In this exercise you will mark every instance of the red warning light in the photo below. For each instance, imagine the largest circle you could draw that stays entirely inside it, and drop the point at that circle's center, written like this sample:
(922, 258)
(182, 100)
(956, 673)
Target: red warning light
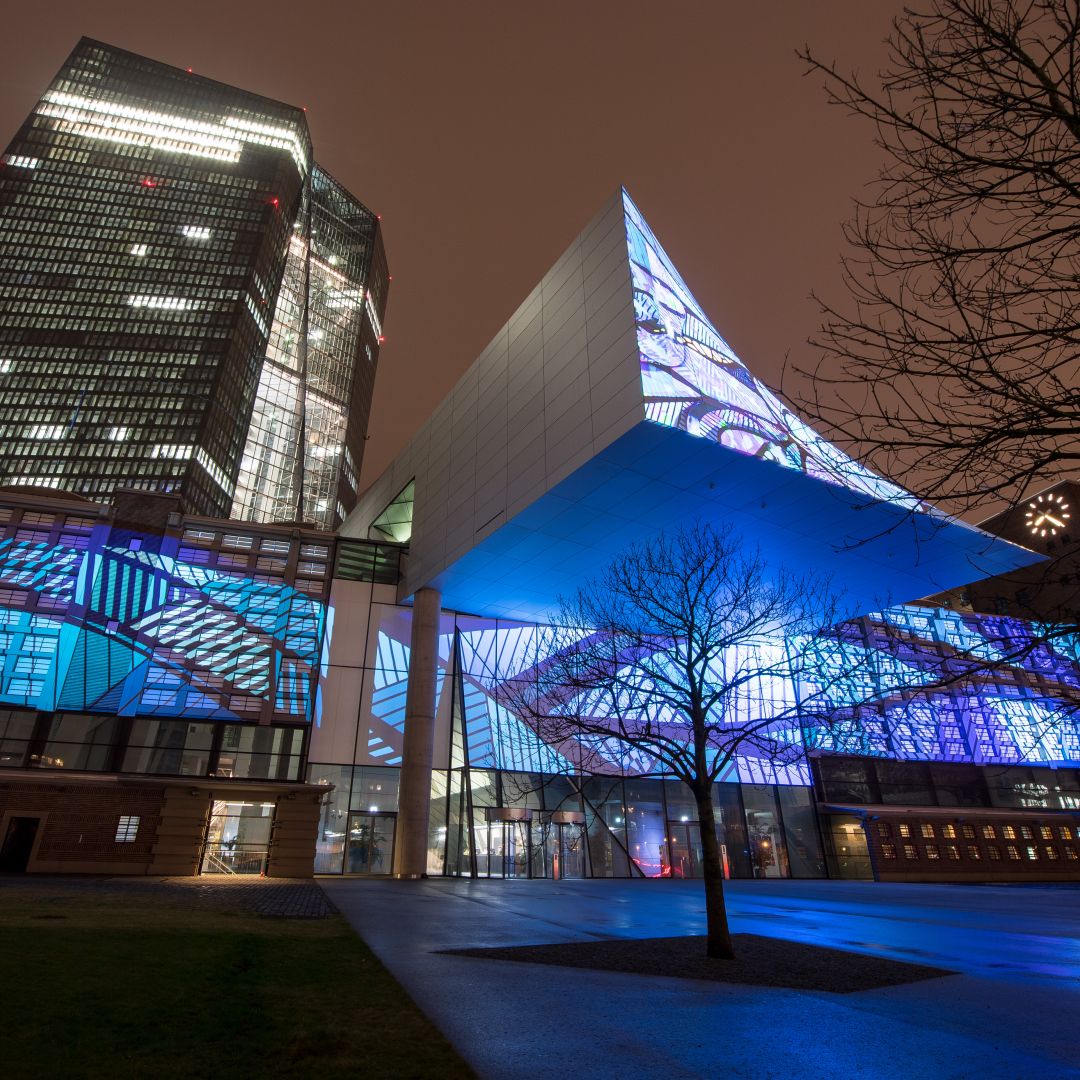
(188, 70)
(381, 339)
(273, 201)
(149, 182)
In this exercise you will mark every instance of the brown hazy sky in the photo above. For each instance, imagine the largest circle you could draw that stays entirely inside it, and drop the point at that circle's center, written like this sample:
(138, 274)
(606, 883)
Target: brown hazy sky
(487, 133)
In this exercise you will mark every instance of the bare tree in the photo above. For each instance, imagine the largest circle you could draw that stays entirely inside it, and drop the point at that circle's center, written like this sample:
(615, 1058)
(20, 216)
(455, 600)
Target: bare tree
(955, 368)
(680, 655)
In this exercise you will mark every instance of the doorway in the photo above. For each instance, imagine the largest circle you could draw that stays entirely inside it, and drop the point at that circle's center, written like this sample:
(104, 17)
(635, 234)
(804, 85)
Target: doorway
(369, 844)
(18, 844)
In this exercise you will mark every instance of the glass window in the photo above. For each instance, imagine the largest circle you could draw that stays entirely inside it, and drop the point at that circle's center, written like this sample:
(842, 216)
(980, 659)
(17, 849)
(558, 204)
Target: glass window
(973, 852)
(333, 815)
(968, 832)
(952, 851)
(1065, 832)
(888, 851)
(605, 822)
(932, 851)
(1071, 853)
(646, 826)
(803, 841)
(1032, 852)
(927, 830)
(948, 832)
(1012, 851)
(1008, 832)
(127, 828)
(989, 832)
(768, 851)
(904, 830)
(910, 851)
(1050, 851)
(1045, 832)
(1026, 833)
(993, 852)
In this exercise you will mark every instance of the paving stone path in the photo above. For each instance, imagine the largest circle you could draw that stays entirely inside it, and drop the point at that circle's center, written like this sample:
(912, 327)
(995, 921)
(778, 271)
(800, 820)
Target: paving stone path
(272, 897)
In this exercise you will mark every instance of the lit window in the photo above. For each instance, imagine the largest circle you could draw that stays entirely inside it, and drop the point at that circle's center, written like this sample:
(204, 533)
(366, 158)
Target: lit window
(1026, 833)
(928, 831)
(20, 162)
(5, 366)
(883, 829)
(1045, 832)
(888, 851)
(905, 830)
(948, 832)
(1071, 853)
(989, 832)
(1064, 832)
(952, 851)
(973, 852)
(932, 851)
(968, 831)
(47, 431)
(1008, 832)
(196, 232)
(1012, 851)
(139, 250)
(1032, 852)
(910, 851)
(1051, 852)
(119, 434)
(161, 303)
(993, 852)
(127, 828)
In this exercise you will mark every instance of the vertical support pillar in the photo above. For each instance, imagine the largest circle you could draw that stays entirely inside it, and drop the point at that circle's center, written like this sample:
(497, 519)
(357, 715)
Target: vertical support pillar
(414, 798)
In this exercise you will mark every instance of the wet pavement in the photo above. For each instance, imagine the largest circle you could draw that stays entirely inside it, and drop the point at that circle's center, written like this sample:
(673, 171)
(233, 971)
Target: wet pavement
(1010, 1011)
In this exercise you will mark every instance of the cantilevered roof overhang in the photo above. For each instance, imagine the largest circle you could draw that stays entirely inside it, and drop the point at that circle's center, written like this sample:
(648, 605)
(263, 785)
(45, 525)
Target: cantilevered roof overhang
(609, 409)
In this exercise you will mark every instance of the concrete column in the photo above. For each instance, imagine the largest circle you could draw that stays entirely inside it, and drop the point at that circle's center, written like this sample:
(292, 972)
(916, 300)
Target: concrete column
(414, 798)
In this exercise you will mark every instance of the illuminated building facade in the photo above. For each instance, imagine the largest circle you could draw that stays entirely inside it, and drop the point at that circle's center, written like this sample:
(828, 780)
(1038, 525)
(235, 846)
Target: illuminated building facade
(182, 691)
(148, 219)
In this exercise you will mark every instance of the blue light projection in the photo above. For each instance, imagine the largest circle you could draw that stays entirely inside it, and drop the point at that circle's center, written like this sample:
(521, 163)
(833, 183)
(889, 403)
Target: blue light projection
(110, 623)
(692, 380)
(909, 683)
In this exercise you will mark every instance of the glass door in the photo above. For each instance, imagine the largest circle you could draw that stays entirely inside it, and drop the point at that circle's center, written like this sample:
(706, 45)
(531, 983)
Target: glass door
(237, 838)
(569, 861)
(369, 846)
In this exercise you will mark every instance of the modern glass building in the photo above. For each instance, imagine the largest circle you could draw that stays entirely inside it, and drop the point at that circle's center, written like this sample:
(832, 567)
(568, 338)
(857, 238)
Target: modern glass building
(212, 649)
(161, 237)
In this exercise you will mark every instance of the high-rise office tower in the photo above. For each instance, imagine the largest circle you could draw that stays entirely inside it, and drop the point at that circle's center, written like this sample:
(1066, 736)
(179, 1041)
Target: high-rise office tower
(167, 254)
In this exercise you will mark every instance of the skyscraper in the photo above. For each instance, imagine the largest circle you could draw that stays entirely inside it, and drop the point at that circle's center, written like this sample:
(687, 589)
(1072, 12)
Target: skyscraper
(160, 245)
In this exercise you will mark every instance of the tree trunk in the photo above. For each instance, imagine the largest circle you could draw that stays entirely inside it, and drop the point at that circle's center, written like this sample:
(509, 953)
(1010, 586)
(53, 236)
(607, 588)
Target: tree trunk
(718, 943)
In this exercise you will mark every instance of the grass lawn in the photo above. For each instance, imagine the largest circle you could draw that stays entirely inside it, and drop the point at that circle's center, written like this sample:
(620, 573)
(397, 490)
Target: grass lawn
(129, 984)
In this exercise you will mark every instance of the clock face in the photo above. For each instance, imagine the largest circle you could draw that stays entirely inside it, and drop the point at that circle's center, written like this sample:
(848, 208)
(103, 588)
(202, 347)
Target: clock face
(1047, 515)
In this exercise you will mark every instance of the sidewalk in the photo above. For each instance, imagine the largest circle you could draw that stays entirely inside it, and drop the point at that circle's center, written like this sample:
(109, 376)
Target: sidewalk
(1010, 1012)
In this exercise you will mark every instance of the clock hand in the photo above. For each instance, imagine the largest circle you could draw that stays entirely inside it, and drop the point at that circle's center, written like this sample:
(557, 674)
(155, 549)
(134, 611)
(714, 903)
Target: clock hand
(1054, 521)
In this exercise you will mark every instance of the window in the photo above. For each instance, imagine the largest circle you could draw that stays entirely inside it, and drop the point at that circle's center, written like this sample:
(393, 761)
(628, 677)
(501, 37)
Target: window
(993, 852)
(1026, 833)
(952, 851)
(1051, 852)
(973, 852)
(1032, 852)
(948, 832)
(1071, 853)
(968, 831)
(932, 851)
(1045, 832)
(883, 829)
(989, 833)
(127, 828)
(888, 851)
(905, 831)
(1008, 832)
(910, 852)
(927, 830)
(1065, 832)
(1012, 851)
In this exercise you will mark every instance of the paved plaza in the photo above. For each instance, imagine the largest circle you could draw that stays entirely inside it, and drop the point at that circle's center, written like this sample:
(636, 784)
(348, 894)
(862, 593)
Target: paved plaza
(1011, 1011)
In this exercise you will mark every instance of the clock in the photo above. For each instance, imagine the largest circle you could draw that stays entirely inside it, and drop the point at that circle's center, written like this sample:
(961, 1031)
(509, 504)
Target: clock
(1047, 515)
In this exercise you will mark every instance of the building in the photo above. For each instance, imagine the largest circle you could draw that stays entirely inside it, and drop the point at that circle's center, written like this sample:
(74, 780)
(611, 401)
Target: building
(184, 293)
(184, 691)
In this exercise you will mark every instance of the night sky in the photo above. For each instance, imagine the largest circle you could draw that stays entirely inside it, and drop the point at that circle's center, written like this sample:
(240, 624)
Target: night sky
(487, 134)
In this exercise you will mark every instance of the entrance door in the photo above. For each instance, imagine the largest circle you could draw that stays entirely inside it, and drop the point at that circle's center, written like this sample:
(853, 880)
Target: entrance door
(369, 846)
(18, 843)
(685, 840)
(571, 851)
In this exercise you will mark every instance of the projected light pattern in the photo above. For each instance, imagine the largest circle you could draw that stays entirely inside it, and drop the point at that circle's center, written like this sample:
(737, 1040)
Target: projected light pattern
(692, 380)
(922, 684)
(909, 683)
(111, 623)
